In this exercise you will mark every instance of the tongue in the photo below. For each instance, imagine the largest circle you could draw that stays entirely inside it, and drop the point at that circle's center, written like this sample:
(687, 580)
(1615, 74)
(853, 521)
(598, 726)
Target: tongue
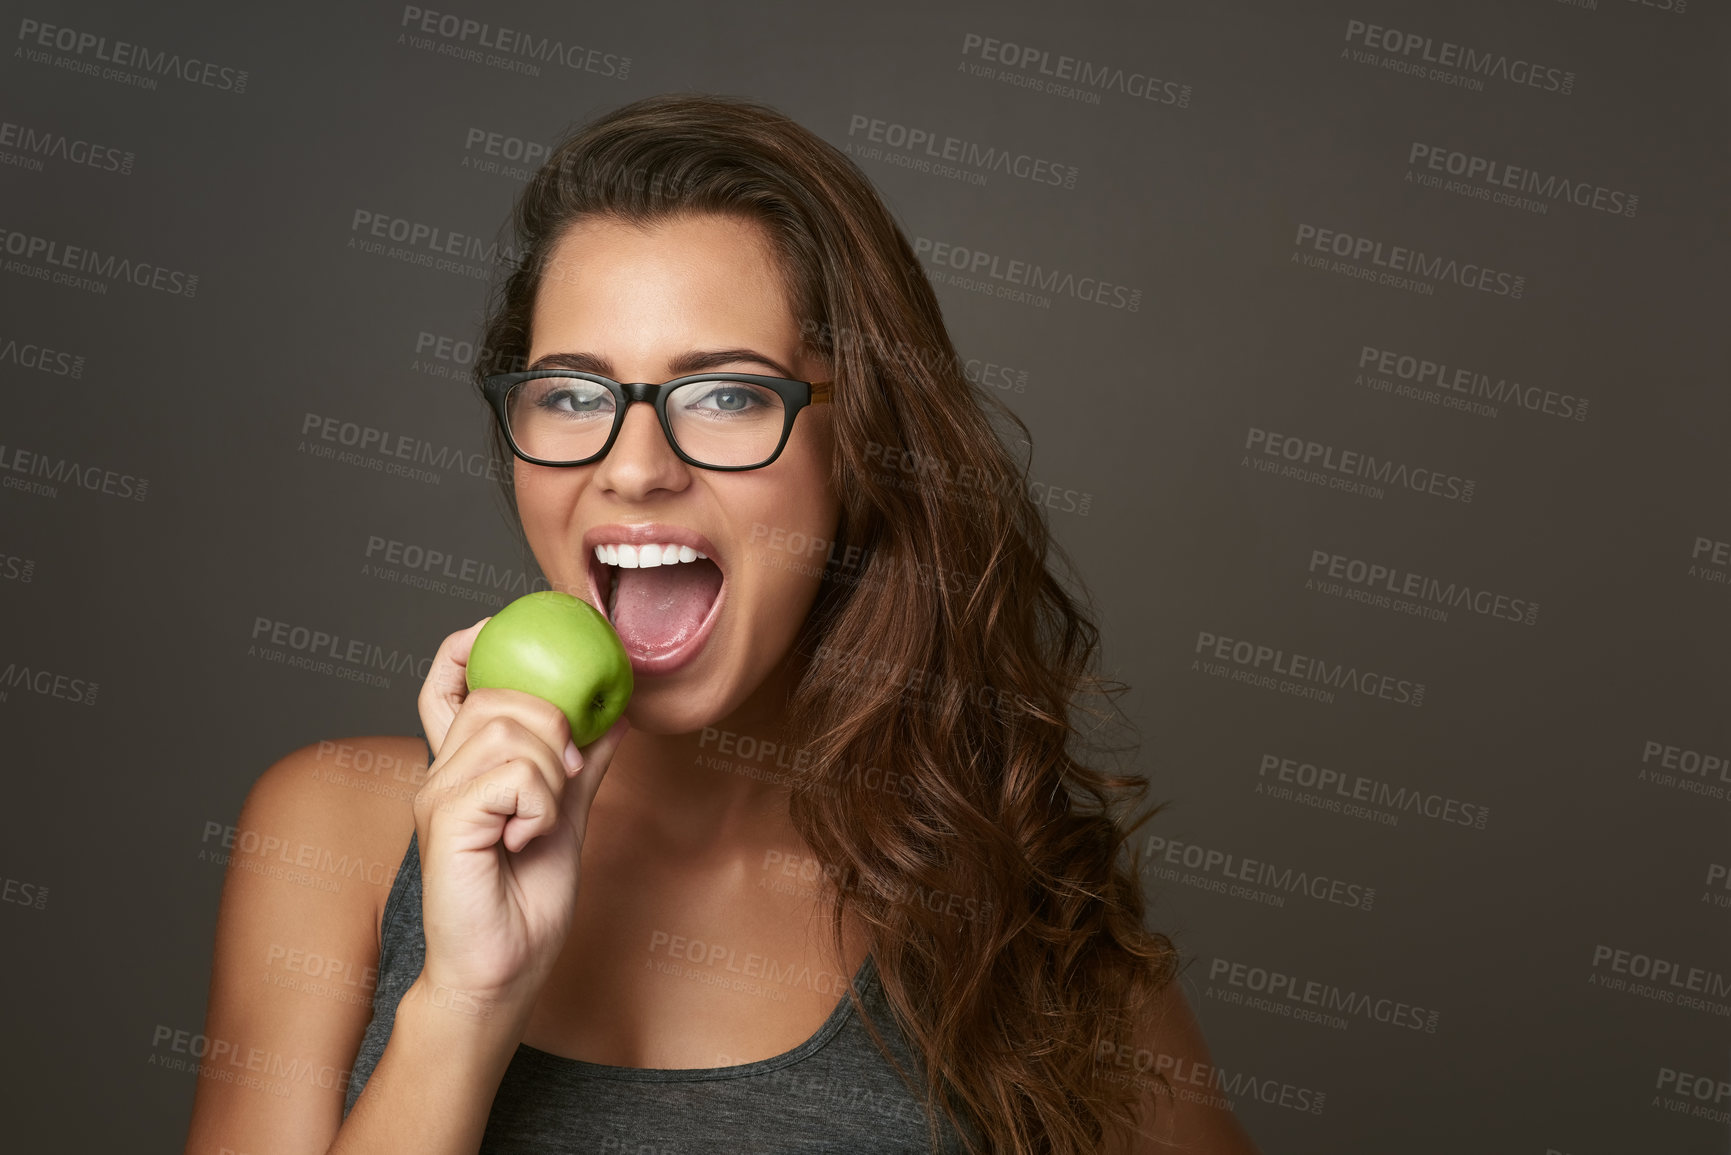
(658, 609)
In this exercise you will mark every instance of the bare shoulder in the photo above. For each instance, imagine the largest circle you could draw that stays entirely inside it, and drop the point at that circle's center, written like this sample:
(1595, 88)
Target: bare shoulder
(340, 812)
(1169, 1042)
(311, 860)
(354, 795)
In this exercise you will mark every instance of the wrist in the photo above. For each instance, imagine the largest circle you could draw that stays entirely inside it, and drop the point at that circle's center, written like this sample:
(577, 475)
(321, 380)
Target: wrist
(489, 1012)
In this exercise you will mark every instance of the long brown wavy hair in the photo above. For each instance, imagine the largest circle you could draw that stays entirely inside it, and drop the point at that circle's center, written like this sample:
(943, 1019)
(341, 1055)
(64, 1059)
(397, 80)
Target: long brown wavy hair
(995, 882)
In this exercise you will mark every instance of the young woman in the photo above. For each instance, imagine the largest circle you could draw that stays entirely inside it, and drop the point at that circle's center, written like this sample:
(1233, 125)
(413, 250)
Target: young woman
(838, 881)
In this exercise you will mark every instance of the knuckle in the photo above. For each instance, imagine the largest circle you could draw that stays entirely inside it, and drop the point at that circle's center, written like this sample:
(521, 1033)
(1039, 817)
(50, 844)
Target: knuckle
(501, 728)
(526, 778)
(530, 777)
(550, 715)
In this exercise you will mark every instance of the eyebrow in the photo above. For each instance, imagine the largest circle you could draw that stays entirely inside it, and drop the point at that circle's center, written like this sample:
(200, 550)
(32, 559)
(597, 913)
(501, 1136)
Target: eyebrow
(693, 361)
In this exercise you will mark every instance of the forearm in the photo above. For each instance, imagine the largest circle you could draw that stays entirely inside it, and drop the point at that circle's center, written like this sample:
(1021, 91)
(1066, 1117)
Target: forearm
(434, 1085)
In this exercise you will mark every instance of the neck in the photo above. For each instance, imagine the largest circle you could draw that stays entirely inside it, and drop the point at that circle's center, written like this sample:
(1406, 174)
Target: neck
(724, 784)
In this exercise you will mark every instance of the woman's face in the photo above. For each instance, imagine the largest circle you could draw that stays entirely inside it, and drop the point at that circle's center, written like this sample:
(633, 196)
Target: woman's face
(642, 305)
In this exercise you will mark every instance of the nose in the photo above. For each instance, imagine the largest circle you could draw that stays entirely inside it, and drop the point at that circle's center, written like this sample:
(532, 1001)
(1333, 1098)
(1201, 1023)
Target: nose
(641, 461)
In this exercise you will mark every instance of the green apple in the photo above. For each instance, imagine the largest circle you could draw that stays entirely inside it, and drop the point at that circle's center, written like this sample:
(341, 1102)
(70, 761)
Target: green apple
(559, 648)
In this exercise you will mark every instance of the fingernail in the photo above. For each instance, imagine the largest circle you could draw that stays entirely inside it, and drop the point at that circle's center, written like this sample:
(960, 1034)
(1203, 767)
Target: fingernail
(572, 758)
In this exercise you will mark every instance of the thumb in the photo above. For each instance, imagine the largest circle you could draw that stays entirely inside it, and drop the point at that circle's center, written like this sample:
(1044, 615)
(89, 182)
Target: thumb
(447, 685)
(594, 758)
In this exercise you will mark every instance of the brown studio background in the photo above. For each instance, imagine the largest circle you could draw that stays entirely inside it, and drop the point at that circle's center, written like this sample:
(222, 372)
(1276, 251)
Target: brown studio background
(1537, 964)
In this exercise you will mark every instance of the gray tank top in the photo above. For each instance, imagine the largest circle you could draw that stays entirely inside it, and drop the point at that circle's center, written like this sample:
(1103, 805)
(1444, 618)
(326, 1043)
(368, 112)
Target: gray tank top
(833, 1092)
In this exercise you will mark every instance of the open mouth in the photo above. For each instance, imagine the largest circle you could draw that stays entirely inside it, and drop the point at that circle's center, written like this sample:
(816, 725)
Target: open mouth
(661, 596)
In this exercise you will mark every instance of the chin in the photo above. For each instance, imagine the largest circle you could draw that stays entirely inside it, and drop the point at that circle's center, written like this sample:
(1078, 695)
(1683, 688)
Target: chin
(669, 710)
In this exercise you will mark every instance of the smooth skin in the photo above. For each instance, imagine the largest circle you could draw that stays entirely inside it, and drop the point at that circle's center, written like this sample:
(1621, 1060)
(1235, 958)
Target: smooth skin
(551, 896)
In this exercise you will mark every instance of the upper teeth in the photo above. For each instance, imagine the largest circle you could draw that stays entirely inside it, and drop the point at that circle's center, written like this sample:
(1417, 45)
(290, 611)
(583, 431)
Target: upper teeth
(644, 556)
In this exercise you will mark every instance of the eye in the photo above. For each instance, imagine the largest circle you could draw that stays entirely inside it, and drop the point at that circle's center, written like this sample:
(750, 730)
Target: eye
(580, 397)
(727, 397)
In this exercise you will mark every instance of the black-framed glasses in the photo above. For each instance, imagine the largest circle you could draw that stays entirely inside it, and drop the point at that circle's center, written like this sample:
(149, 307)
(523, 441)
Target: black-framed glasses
(712, 420)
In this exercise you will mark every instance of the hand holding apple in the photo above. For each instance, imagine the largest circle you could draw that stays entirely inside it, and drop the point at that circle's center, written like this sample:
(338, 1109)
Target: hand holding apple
(559, 648)
(503, 813)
